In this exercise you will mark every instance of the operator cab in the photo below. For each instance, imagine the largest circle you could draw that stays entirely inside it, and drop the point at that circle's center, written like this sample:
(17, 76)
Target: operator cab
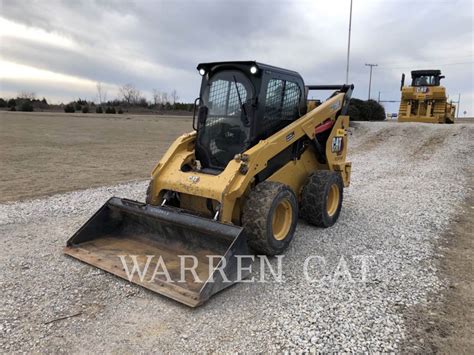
(240, 104)
(426, 77)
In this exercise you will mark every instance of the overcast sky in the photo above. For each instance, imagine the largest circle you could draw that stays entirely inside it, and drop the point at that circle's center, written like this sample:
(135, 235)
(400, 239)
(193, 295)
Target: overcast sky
(61, 49)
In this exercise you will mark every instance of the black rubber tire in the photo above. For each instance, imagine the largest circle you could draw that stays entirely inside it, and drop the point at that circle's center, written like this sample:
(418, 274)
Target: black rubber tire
(315, 196)
(257, 217)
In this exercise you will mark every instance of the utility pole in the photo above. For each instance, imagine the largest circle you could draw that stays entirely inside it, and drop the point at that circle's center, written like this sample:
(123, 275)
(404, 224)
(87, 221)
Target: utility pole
(370, 77)
(349, 44)
(459, 105)
(378, 100)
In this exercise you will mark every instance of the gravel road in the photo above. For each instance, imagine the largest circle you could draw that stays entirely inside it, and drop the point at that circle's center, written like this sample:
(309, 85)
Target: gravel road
(408, 183)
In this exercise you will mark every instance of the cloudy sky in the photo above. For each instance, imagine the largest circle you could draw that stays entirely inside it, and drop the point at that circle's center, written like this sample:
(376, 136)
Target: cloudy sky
(61, 49)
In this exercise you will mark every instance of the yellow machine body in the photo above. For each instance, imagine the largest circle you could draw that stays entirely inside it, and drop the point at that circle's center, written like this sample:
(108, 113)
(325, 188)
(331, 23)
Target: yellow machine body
(193, 211)
(425, 103)
(229, 187)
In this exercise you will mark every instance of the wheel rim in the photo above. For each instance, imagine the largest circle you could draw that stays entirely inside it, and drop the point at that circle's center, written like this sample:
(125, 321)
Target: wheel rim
(333, 200)
(281, 220)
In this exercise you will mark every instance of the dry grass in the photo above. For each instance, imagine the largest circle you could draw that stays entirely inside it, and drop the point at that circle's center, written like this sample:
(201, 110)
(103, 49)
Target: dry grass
(47, 153)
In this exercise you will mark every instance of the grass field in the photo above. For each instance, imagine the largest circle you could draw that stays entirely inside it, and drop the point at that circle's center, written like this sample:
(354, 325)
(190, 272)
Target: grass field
(46, 153)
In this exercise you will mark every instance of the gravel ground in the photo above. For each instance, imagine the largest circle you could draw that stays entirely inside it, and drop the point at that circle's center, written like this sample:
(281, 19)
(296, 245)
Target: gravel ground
(408, 181)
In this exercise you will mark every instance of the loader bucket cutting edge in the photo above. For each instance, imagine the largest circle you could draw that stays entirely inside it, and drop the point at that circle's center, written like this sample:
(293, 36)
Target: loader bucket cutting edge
(132, 229)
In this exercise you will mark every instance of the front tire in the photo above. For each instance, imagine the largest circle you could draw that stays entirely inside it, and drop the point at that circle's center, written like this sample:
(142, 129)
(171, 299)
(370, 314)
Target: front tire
(321, 201)
(269, 217)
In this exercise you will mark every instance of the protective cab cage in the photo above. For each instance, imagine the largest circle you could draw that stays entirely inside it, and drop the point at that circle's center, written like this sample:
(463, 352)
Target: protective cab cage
(426, 77)
(241, 103)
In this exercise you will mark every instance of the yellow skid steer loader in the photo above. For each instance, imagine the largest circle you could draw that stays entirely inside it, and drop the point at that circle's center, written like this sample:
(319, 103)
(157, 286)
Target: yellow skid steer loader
(257, 160)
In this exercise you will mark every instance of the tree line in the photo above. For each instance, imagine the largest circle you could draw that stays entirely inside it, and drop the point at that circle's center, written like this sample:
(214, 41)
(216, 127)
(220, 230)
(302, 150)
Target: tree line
(25, 101)
(129, 99)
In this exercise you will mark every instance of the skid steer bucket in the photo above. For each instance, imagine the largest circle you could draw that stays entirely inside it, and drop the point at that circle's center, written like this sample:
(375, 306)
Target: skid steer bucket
(179, 255)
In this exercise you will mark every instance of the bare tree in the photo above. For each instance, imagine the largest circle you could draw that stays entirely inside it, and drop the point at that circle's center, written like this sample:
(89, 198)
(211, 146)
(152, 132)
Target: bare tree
(164, 98)
(101, 93)
(27, 95)
(174, 96)
(130, 94)
(156, 97)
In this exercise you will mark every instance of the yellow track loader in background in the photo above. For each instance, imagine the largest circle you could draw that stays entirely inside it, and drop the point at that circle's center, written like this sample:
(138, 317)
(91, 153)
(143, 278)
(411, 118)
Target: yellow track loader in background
(255, 162)
(425, 100)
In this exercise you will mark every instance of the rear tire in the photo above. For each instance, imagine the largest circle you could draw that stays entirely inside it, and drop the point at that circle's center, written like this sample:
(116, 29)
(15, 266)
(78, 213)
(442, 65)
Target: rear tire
(322, 198)
(269, 217)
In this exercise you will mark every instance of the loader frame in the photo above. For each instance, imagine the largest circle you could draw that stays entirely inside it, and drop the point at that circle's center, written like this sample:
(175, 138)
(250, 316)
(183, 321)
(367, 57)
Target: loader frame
(228, 188)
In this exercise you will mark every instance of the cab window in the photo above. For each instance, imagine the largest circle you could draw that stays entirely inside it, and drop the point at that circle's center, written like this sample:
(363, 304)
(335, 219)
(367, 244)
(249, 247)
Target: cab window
(281, 104)
(424, 80)
(223, 135)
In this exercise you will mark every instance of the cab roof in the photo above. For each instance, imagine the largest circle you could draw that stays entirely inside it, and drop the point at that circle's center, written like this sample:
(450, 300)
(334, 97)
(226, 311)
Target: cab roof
(417, 73)
(263, 67)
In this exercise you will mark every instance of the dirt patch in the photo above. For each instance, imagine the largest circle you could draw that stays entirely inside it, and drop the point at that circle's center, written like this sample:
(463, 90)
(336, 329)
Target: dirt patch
(446, 324)
(465, 120)
(46, 153)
